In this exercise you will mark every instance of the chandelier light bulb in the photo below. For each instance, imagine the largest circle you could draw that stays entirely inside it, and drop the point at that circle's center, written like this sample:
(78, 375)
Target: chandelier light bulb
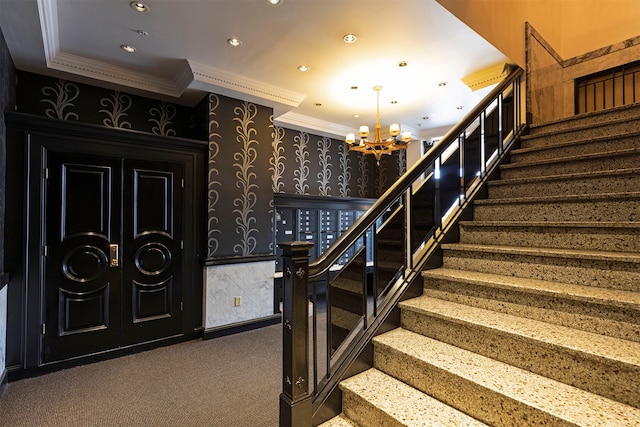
(376, 145)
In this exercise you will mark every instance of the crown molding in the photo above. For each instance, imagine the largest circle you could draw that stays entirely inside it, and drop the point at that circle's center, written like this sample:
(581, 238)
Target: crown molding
(228, 84)
(305, 123)
(486, 77)
(48, 15)
(113, 74)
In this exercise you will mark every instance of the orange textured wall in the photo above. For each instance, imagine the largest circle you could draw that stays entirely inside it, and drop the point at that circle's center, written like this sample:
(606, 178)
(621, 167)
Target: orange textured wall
(572, 27)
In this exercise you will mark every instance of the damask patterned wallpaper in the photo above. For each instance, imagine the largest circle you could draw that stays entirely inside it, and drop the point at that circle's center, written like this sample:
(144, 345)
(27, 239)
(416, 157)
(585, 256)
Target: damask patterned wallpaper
(249, 157)
(66, 100)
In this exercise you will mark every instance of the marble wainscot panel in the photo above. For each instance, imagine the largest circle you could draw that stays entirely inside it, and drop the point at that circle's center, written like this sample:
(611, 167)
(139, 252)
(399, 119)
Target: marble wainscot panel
(251, 281)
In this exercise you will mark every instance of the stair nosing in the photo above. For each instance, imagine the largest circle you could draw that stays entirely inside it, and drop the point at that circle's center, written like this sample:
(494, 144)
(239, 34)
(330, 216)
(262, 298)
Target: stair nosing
(553, 224)
(582, 116)
(614, 297)
(572, 143)
(589, 344)
(633, 257)
(589, 156)
(518, 379)
(561, 198)
(564, 177)
(428, 401)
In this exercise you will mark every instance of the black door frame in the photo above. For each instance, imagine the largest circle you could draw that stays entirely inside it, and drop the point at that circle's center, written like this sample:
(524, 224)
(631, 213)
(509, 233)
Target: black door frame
(31, 138)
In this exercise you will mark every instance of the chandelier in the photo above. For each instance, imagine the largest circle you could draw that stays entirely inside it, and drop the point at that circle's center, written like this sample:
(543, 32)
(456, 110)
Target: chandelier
(378, 146)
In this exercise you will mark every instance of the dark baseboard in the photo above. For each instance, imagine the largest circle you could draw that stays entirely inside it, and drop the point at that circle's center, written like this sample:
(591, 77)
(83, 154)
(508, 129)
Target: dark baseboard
(247, 325)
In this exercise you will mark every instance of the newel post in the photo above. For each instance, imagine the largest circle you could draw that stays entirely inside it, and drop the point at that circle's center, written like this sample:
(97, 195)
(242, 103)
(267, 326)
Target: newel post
(296, 398)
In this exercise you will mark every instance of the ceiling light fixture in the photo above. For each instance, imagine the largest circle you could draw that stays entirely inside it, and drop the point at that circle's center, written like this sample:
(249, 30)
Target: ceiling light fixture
(303, 68)
(128, 48)
(378, 146)
(350, 38)
(139, 7)
(234, 42)
(275, 2)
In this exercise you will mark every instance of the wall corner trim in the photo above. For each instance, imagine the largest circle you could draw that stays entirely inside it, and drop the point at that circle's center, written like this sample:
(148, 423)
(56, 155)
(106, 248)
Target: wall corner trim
(4, 279)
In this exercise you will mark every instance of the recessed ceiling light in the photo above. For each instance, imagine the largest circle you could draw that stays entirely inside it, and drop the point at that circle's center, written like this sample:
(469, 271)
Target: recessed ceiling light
(460, 107)
(350, 38)
(425, 117)
(275, 2)
(139, 7)
(403, 63)
(234, 42)
(317, 104)
(142, 33)
(128, 48)
(394, 102)
(356, 115)
(354, 87)
(442, 84)
(303, 68)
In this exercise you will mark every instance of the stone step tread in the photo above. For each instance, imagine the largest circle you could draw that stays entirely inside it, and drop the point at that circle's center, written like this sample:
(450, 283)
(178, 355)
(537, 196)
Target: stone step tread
(602, 225)
(612, 297)
(561, 198)
(339, 421)
(561, 400)
(565, 177)
(582, 254)
(586, 140)
(347, 284)
(537, 129)
(566, 159)
(404, 403)
(587, 343)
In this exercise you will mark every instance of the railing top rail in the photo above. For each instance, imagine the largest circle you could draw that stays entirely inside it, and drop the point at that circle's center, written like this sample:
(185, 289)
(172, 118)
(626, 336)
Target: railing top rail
(347, 239)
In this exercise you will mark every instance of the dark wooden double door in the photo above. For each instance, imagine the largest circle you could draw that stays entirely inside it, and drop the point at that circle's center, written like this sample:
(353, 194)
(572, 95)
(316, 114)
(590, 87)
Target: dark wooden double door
(112, 269)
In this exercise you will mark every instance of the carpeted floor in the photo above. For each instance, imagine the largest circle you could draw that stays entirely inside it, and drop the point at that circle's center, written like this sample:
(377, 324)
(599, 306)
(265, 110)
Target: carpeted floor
(232, 381)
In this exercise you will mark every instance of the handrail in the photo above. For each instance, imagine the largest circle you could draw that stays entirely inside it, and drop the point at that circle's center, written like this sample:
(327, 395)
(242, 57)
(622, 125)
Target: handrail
(329, 257)
(427, 201)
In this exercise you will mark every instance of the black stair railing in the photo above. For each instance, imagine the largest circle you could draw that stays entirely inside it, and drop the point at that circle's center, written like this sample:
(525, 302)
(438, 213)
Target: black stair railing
(333, 307)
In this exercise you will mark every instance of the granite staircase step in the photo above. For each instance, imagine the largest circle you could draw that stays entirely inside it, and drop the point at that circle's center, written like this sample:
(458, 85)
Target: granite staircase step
(606, 181)
(605, 236)
(579, 121)
(607, 207)
(592, 162)
(603, 311)
(492, 391)
(599, 364)
(613, 121)
(611, 270)
(575, 148)
(339, 421)
(374, 399)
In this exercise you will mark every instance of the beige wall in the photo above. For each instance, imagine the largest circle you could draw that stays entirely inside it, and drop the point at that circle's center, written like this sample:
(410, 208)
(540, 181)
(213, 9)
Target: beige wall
(572, 27)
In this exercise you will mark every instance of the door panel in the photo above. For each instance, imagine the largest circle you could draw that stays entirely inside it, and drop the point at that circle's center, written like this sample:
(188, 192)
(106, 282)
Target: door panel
(81, 289)
(113, 269)
(153, 235)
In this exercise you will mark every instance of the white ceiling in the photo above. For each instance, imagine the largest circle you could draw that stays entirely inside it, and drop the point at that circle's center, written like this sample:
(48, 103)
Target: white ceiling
(186, 54)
